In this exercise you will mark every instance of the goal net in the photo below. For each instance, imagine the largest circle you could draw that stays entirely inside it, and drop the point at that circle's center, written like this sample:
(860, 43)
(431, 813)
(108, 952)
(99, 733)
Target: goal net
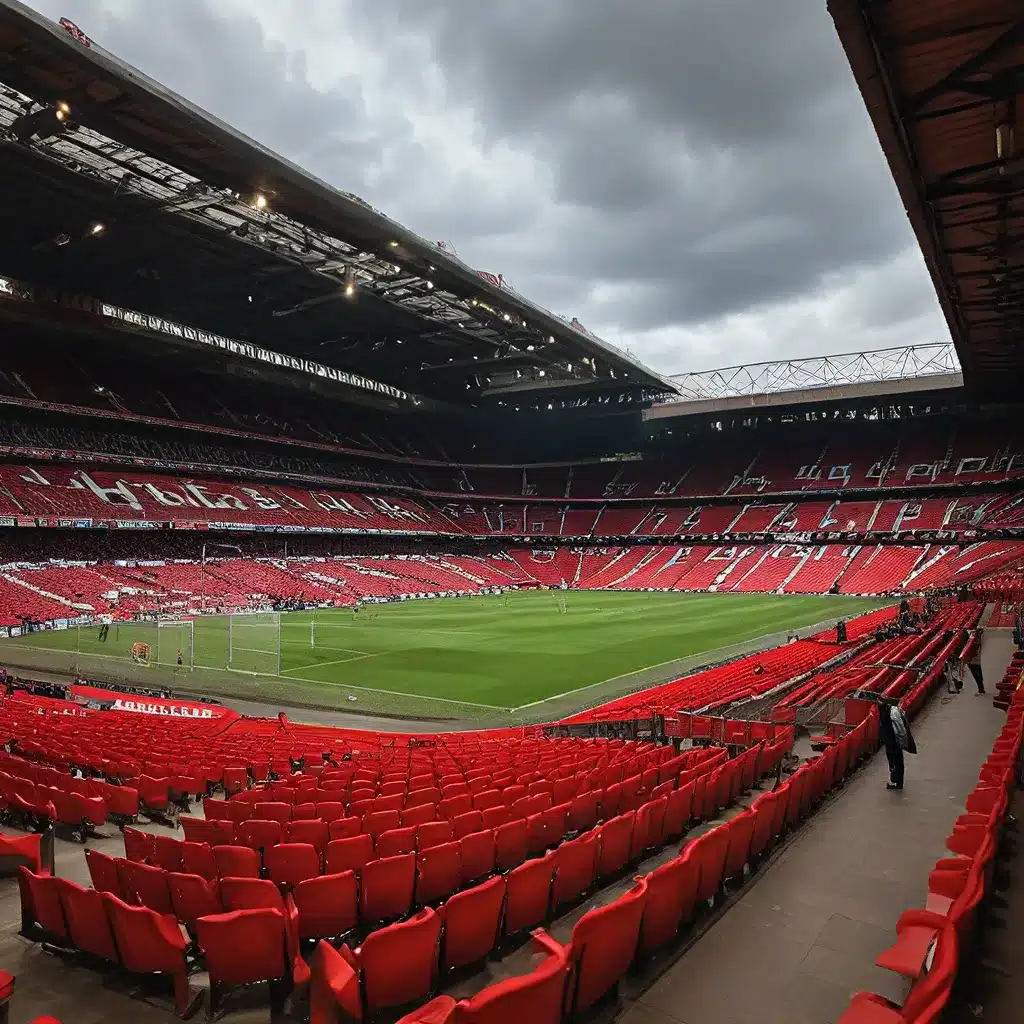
(254, 642)
(175, 643)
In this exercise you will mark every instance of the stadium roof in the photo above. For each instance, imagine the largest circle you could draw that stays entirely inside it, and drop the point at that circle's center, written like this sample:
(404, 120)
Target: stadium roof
(890, 372)
(943, 81)
(202, 226)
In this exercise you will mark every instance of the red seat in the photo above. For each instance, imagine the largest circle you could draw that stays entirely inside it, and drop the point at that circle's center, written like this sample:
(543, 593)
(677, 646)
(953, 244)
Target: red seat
(273, 811)
(476, 853)
(376, 822)
(247, 946)
(349, 854)
(304, 812)
(198, 859)
(193, 896)
(671, 897)
(166, 853)
(291, 863)
(236, 862)
(344, 828)
(575, 867)
(260, 834)
(438, 872)
(710, 852)
(312, 831)
(471, 821)
(396, 840)
(741, 830)
(387, 887)
(418, 815)
(604, 942)
(330, 810)
(648, 827)
(510, 844)
(150, 943)
(87, 921)
(137, 845)
(145, 885)
(103, 872)
(616, 840)
(535, 997)
(434, 833)
(328, 905)
(42, 913)
(528, 889)
(250, 894)
(495, 817)
(215, 833)
(472, 920)
(398, 964)
(583, 812)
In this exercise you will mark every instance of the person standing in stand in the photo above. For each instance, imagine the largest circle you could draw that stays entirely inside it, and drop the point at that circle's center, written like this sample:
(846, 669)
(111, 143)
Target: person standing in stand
(894, 732)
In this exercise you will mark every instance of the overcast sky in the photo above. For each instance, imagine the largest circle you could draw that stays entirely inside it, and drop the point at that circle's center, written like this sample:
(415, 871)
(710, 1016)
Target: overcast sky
(696, 180)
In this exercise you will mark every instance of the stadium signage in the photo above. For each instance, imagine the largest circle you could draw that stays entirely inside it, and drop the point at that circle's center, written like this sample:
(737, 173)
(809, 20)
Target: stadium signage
(246, 350)
(173, 710)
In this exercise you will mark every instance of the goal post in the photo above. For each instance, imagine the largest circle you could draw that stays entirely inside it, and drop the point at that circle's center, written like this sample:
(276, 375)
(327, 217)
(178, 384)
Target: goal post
(254, 642)
(175, 643)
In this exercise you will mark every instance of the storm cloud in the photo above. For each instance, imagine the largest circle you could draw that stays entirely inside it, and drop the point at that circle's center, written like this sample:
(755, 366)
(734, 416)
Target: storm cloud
(696, 180)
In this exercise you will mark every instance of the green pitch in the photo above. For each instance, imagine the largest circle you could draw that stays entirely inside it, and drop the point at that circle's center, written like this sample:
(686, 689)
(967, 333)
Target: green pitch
(485, 652)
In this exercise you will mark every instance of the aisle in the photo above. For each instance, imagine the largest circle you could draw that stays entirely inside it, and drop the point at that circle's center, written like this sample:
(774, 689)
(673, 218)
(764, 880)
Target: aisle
(805, 935)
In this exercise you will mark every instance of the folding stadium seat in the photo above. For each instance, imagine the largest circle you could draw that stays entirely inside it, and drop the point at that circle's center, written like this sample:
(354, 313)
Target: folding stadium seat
(32, 851)
(438, 871)
(495, 817)
(250, 894)
(671, 897)
(288, 864)
(528, 889)
(418, 815)
(649, 826)
(741, 831)
(313, 832)
(565, 790)
(216, 833)
(42, 913)
(396, 840)
(604, 942)
(387, 887)
(761, 834)
(476, 855)
(616, 839)
(472, 920)
(137, 845)
(487, 798)
(434, 833)
(395, 802)
(452, 806)
(398, 964)
(151, 943)
(511, 842)
(145, 885)
(349, 854)
(328, 905)
(237, 862)
(423, 797)
(193, 896)
(359, 808)
(103, 872)
(259, 834)
(246, 946)
(154, 796)
(710, 850)
(471, 821)
(376, 822)
(345, 828)
(235, 780)
(304, 812)
(536, 997)
(87, 921)
(511, 794)
(237, 811)
(330, 810)
(575, 864)
(166, 853)
(611, 798)
(583, 812)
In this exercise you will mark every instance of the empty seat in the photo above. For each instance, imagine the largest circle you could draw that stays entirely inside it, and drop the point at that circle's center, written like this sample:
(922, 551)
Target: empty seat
(259, 833)
(103, 872)
(349, 854)
(145, 885)
(671, 897)
(291, 863)
(471, 923)
(616, 839)
(575, 867)
(476, 855)
(511, 841)
(528, 898)
(328, 905)
(396, 840)
(387, 887)
(198, 859)
(604, 942)
(237, 862)
(438, 872)
(434, 833)
(250, 894)
(313, 832)
(193, 896)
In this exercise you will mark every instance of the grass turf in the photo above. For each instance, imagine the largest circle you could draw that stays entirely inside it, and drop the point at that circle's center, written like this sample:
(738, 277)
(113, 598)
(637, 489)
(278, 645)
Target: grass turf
(490, 651)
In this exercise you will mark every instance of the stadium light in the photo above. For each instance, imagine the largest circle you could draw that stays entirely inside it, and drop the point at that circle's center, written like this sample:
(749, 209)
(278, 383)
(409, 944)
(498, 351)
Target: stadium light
(540, 374)
(394, 245)
(430, 286)
(261, 201)
(568, 366)
(98, 228)
(63, 111)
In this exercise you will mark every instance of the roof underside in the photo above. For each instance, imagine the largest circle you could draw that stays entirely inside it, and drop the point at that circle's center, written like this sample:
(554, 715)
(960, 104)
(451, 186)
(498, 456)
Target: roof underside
(943, 82)
(315, 273)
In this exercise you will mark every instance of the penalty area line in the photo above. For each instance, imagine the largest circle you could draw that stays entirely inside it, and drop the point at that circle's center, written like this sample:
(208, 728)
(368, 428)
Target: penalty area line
(360, 656)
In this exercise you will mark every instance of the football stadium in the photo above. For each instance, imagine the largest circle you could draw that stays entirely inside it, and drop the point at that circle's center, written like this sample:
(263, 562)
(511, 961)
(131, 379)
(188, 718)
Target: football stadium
(378, 644)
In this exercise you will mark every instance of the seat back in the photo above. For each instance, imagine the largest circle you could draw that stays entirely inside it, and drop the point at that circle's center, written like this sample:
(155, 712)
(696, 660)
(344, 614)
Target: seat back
(250, 894)
(244, 946)
(387, 887)
(529, 894)
(398, 964)
(328, 905)
(472, 920)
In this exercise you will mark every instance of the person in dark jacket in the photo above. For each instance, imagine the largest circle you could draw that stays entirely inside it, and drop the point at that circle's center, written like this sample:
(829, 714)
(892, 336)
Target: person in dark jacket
(894, 732)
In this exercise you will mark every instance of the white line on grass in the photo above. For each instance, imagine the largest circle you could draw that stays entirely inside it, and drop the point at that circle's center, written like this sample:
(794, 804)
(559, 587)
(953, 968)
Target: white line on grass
(324, 664)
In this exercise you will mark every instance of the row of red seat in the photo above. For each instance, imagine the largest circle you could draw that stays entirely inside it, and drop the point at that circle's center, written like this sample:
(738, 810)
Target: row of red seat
(931, 941)
(6, 992)
(605, 941)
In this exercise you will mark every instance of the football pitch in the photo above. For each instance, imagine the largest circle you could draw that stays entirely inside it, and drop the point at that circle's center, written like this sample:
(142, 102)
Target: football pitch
(447, 657)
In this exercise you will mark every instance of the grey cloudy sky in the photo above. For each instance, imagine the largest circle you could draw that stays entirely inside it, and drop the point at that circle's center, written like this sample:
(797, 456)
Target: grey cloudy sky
(696, 180)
